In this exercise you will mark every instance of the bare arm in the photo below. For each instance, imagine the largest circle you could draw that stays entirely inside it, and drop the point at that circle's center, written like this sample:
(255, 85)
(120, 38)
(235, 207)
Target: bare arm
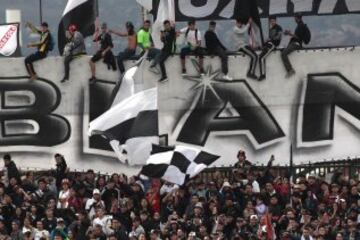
(118, 33)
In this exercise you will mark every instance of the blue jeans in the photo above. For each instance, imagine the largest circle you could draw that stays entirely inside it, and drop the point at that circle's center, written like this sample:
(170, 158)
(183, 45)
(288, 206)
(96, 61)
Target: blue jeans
(124, 55)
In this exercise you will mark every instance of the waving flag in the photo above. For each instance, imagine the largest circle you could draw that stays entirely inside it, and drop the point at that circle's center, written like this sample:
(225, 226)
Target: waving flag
(9, 39)
(83, 14)
(131, 126)
(177, 164)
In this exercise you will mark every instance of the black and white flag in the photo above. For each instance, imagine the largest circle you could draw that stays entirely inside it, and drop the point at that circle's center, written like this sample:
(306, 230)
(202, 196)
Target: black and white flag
(177, 164)
(131, 126)
(83, 14)
(9, 39)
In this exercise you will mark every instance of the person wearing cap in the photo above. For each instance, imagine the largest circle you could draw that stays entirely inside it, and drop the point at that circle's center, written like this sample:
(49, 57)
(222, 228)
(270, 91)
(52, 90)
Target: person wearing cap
(60, 229)
(106, 44)
(64, 195)
(42, 47)
(215, 47)
(74, 48)
(274, 40)
(93, 203)
(130, 50)
(242, 160)
(296, 43)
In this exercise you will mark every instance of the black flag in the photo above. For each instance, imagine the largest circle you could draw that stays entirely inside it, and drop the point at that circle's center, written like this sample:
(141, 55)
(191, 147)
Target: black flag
(83, 14)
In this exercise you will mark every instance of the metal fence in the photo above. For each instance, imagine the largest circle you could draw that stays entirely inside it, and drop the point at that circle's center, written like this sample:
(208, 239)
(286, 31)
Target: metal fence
(349, 167)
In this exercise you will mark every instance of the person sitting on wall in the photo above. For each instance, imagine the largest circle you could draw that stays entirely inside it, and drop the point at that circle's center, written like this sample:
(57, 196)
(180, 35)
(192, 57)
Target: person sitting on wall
(130, 50)
(145, 41)
(74, 48)
(241, 33)
(193, 41)
(168, 37)
(301, 35)
(275, 34)
(43, 46)
(106, 44)
(215, 47)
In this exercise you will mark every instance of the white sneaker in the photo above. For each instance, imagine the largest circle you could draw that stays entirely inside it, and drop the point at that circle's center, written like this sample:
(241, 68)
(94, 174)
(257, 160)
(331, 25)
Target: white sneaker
(227, 78)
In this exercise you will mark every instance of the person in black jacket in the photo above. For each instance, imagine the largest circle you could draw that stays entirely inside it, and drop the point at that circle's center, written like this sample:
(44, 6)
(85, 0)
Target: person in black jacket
(215, 47)
(61, 169)
(168, 37)
(12, 170)
(275, 34)
(106, 44)
(296, 42)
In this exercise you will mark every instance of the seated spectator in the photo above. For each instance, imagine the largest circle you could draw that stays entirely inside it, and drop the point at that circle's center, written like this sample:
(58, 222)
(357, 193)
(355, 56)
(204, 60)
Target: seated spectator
(105, 53)
(74, 48)
(193, 46)
(215, 47)
(130, 50)
(300, 36)
(274, 40)
(145, 41)
(168, 37)
(43, 47)
(241, 33)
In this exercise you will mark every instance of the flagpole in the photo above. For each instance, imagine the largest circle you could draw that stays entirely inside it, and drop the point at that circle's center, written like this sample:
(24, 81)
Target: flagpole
(291, 178)
(40, 11)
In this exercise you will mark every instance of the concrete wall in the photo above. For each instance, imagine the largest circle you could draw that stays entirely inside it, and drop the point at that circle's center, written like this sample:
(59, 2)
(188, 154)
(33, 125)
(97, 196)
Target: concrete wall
(279, 100)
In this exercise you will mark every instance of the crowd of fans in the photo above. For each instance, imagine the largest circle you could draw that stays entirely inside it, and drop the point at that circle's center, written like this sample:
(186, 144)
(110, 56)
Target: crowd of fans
(252, 203)
(192, 44)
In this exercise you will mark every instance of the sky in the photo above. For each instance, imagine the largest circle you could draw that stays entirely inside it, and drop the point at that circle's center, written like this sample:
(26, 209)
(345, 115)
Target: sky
(327, 31)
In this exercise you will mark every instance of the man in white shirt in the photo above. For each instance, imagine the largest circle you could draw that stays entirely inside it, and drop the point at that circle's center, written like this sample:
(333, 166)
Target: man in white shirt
(241, 34)
(103, 220)
(40, 232)
(193, 45)
(93, 203)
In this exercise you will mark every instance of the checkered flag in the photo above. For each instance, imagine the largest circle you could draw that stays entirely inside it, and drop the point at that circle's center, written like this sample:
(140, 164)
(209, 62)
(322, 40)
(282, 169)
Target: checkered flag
(176, 164)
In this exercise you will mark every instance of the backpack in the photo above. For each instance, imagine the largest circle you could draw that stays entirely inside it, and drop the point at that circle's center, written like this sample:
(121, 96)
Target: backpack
(50, 43)
(307, 34)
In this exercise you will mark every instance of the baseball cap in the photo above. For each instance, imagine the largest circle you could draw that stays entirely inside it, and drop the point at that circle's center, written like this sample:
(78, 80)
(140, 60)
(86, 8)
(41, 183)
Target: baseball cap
(96, 191)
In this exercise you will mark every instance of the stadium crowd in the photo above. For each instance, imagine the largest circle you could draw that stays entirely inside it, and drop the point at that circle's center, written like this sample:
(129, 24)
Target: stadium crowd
(250, 204)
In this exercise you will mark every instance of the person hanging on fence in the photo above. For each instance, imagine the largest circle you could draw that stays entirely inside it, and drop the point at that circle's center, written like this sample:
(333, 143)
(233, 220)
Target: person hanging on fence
(275, 35)
(45, 44)
(74, 48)
(241, 33)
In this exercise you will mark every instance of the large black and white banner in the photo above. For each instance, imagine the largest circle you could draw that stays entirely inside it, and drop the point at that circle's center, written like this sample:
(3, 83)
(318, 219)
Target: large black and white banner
(226, 9)
(9, 40)
(316, 111)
